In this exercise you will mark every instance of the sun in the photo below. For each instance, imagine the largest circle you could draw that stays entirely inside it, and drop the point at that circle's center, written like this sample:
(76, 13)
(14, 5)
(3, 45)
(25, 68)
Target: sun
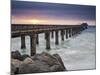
(34, 21)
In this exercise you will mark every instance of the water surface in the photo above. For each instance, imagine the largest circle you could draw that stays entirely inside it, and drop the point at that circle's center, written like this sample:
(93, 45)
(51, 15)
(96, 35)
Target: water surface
(77, 52)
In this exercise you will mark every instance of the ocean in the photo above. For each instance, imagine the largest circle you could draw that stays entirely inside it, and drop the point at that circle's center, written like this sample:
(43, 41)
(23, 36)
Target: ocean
(77, 52)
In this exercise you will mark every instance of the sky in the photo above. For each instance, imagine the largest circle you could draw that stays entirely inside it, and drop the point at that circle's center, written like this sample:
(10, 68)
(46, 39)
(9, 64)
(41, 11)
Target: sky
(24, 12)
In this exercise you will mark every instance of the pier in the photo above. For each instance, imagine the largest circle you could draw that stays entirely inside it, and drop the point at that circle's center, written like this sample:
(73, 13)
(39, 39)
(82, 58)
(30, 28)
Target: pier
(33, 30)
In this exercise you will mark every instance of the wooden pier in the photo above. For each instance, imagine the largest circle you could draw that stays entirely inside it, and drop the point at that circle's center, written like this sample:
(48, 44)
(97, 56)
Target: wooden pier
(22, 30)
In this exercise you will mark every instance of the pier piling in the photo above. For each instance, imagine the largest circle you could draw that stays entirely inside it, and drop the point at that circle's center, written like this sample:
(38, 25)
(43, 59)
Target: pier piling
(70, 32)
(23, 46)
(66, 33)
(56, 38)
(37, 39)
(52, 35)
(33, 44)
(47, 36)
(62, 35)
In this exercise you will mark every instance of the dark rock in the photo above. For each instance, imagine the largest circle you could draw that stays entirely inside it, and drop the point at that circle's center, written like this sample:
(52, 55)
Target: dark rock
(43, 67)
(27, 68)
(38, 63)
(12, 74)
(16, 62)
(23, 57)
(36, 67)
(16, 55)
(36, 57)
(13, 69)
(28, 61)
(49, 59)
(60, 60)
(56, 68)
(45, 57)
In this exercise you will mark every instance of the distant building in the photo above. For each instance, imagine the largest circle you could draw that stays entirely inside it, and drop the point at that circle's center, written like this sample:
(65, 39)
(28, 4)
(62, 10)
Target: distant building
(84, 25)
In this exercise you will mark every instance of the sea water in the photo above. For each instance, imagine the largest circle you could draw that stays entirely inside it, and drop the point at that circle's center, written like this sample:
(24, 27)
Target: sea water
(77, 52)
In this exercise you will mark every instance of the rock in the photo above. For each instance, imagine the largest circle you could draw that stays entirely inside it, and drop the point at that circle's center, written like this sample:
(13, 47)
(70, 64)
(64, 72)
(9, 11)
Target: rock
(12, 74)
(16, 55)
(15, 66)
(36, 67)
(27, 68)
(45, 57)
(36, 57)
(56, 68)
(16, 62)
(38, 63)
(60, 60)
(13, 69)
(28, 61)
(23, 57)
(51, 60)
(43, 67)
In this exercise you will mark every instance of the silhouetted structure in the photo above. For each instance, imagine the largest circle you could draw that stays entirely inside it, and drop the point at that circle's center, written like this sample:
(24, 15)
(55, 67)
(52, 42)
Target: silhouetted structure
(84, 25)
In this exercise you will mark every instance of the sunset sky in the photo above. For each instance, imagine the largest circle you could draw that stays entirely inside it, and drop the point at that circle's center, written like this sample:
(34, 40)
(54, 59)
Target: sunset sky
(23, 12)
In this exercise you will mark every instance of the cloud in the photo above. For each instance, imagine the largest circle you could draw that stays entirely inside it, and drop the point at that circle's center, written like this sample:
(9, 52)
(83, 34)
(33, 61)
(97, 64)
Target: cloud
(52, 11)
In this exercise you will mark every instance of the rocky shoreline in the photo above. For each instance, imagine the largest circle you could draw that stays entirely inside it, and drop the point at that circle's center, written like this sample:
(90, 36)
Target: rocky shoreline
(39, 63)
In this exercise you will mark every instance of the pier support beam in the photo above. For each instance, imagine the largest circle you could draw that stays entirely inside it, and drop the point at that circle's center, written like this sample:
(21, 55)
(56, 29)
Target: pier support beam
(77, 30)
(47, 36)
(33, 44)
(23, 46)
(52, 35)
(66, 33)
(56, 38)
(70, 32)
(62, 35)
(37, 39)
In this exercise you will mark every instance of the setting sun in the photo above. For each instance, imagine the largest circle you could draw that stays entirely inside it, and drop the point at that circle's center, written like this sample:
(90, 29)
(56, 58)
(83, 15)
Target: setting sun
(35, 21)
